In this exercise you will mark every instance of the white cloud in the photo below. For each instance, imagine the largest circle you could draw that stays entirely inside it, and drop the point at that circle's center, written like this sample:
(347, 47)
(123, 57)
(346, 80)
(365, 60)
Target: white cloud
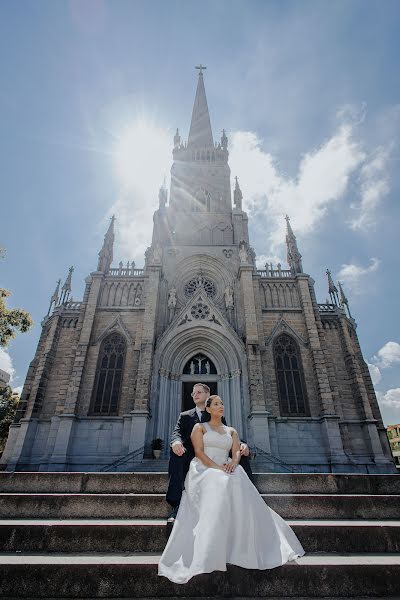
(375, 373)
(6, 362)
(18, 390)
(387, 356)
(389, 399)
(352, 274)
(322, 179)
(374, 187)
(262, 259)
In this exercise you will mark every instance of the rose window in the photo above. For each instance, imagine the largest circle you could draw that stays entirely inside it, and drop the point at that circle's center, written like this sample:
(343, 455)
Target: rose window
(200, 311)
(200, 282)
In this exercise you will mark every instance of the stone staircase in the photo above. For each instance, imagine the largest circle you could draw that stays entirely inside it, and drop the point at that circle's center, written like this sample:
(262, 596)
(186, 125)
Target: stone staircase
(100, 535)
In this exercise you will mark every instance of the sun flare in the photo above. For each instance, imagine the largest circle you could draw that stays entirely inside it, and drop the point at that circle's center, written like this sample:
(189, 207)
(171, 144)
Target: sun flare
(142, 155)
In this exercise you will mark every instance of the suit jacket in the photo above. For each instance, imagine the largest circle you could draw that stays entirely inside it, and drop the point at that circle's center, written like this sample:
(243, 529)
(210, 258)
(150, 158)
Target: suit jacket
(184, 427)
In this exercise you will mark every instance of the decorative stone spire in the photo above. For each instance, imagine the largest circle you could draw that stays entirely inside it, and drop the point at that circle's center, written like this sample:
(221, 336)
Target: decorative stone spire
(237, 195)
(343, 299)
(66, 288)
(224, 140)
(200, 134)
(177, 139)
(163, 196)
(54, 298)
(333, 292)
(293, 254)
(106, 253)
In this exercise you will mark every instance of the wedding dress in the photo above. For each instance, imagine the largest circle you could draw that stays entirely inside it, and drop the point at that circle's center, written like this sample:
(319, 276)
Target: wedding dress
(222, 520)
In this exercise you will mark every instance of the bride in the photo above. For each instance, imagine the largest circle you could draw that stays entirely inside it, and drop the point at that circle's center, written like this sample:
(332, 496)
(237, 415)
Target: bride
(222, 518)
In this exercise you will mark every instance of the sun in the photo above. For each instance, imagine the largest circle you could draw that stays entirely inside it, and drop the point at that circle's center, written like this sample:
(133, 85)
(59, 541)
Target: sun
(142, 155)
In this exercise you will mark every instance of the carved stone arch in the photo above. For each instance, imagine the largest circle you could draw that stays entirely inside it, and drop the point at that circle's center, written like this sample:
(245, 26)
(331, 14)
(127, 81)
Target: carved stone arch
(282, 295)
(118, 295)
(131, 294)
(218, 271)
(111, 295)
(175, 349)
(104, 294)
(138, 295)
(275, 296)
(283, 327)
(124, 297)
(117, 325)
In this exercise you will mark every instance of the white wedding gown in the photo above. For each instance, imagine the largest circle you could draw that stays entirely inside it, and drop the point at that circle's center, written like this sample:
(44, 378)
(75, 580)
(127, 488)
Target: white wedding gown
(222, 520)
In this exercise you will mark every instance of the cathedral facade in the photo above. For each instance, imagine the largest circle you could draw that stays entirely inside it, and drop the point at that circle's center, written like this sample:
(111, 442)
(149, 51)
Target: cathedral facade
(112, 373)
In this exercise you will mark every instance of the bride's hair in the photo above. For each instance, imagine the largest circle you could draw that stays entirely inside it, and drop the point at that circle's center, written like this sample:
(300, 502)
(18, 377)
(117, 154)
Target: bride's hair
(211, 398)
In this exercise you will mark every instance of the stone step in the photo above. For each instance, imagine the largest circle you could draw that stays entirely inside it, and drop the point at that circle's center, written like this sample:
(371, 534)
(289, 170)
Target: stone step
(150, 535)
(151, 506)
(149, 483)
(135, 576)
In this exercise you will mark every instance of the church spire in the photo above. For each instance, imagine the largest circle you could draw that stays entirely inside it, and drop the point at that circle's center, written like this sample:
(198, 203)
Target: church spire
(106, 253)
(333, 292)
(293, 254)
(200, 134)
(237, 195)
(66, 288)
(54, 298)
(343, 299)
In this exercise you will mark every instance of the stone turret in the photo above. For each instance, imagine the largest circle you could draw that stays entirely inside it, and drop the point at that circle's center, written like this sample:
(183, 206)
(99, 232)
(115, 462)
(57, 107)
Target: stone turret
(237, 195)
(333, 291)
(66, 288)
(293, 254)
(106, 253)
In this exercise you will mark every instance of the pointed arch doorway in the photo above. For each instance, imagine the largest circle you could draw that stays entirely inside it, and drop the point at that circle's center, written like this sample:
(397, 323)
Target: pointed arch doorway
(198, 369)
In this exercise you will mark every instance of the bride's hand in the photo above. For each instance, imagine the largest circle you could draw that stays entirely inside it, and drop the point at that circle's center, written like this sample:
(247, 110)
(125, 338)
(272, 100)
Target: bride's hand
(229, 467)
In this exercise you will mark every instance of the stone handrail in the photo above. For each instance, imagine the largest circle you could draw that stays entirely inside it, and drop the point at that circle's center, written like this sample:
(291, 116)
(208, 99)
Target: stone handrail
(327, 307)
(125, 272)
(72, 305)
(275, 273)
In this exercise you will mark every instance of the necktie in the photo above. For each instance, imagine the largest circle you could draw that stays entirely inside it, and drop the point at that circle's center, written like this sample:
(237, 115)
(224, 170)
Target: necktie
(203, 416)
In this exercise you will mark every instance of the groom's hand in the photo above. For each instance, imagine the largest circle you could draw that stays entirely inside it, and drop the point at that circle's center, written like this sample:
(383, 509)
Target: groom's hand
(178, 448)
(244, 450)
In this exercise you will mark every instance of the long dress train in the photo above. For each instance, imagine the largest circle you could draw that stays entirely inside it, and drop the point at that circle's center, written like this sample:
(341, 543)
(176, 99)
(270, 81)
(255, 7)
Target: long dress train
(222, 520)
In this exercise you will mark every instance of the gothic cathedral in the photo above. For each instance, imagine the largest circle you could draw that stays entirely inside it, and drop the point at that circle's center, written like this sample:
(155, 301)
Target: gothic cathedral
(112, 373)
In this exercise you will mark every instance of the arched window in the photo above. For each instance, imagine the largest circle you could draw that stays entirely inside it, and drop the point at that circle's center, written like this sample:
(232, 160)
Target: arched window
(289, 376)
(109, 376)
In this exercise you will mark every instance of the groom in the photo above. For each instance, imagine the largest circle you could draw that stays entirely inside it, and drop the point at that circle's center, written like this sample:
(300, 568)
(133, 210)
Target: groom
(182, 451)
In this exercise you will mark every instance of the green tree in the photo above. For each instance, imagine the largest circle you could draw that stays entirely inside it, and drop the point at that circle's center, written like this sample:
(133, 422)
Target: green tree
(11, 320)
(8, 405)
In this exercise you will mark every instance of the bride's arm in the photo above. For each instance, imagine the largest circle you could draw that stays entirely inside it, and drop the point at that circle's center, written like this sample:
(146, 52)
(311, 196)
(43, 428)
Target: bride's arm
(230, 466)
(197, 441)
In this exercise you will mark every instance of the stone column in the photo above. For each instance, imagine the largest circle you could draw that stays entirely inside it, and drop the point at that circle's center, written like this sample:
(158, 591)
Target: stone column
(330, 420)
(68, 417)
(163, 408)
(225, 393)
(258, 417)
(360, 391)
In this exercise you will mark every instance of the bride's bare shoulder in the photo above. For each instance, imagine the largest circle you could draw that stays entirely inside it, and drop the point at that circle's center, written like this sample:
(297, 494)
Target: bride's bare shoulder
(198, 427)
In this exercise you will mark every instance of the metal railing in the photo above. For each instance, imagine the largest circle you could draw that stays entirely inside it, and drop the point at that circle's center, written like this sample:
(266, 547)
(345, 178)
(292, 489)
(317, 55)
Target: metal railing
(123, 460)
(255, 451)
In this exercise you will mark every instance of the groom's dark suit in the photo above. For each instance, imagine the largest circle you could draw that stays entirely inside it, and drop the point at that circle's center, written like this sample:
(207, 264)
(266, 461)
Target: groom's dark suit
(179, 465)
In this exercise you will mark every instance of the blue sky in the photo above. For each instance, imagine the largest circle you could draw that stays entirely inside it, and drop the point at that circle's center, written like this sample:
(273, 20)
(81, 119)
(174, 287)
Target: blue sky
(92, 91)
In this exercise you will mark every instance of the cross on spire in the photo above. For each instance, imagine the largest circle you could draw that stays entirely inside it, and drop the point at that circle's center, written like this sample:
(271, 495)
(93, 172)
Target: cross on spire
(200, 68)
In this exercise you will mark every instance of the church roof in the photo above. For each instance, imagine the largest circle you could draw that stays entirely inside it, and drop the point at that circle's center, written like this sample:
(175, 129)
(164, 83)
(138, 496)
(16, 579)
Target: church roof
(200, 134)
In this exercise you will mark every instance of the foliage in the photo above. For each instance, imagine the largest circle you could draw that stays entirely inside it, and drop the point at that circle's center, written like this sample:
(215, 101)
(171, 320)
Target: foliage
(157, 444)
(11, 320)
(8, 406)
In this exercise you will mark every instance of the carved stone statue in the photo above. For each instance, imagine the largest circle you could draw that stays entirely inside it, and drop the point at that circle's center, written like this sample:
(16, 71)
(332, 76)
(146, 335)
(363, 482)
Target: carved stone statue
(228, 297)
(172, 298)
(243, 254)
